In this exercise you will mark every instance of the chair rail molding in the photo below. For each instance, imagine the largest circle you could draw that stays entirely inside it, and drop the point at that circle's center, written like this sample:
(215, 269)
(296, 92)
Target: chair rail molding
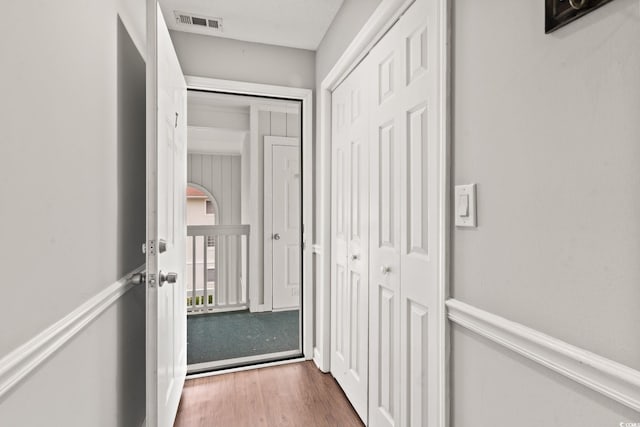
(614, 380)
(19, 363)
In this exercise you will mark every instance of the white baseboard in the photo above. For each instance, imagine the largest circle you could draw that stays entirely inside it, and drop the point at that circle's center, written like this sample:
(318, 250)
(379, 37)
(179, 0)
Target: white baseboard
(15, 366)
(317, 359)
(614, 380)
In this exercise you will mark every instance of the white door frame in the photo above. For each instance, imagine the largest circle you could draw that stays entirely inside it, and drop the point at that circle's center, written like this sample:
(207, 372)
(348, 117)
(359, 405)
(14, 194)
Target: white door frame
(306, 98)
(380, 21)
(269, 143)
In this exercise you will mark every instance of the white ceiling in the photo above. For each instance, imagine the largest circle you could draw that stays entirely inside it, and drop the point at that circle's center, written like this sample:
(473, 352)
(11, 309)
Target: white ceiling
(293, 23)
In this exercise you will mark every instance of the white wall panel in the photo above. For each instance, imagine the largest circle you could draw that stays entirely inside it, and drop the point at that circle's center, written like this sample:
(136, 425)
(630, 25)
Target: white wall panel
(417, 366)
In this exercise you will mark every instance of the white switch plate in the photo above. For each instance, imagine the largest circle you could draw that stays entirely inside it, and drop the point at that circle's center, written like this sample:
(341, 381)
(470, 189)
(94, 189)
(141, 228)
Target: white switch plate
(465, 215)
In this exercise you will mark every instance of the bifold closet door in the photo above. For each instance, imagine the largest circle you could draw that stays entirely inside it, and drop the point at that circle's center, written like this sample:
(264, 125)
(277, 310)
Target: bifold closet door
(404, 222)
(350, 243)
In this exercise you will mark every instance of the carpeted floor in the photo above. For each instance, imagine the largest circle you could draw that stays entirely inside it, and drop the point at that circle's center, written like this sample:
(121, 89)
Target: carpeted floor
(220, 336)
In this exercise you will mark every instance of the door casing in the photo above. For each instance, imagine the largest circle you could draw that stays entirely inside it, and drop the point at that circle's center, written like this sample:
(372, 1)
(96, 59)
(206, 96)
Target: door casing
(305, 96)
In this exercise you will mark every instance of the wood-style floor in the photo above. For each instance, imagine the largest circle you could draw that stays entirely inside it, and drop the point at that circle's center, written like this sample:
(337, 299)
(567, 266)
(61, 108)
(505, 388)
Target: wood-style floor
(296, 394)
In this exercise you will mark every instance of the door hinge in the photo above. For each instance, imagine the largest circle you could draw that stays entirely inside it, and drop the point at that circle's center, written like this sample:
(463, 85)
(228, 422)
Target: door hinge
(151, 280)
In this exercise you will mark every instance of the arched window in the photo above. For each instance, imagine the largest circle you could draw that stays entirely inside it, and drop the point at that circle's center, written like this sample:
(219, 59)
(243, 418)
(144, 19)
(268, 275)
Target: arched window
(202, 207)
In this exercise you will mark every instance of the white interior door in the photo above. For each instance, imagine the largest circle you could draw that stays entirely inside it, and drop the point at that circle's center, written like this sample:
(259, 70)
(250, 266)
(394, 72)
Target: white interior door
(404, 218)
(350, 245)
(282, 221)
(386, 118)
(166, 223)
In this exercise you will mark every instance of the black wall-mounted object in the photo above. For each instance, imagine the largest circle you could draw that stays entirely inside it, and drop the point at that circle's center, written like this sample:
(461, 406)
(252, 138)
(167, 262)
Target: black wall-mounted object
(559, 13)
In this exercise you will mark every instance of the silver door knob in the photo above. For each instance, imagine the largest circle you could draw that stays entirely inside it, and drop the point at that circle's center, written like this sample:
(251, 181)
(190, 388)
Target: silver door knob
(167, 278)
(138, 278)
(355, 257)
(276, 236)
(385, 269)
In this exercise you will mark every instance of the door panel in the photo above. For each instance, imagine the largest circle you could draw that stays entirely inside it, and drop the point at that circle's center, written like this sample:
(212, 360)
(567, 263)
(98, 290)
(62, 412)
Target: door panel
(384, 269)
(350, 228)
(420, 232)
(404, 210)
(166, 220)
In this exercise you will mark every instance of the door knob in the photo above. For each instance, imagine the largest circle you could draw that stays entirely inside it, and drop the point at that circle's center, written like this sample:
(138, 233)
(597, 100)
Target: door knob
(138, 278)
(276, 236)
(167, 278)
(162, 245)
(385, 269)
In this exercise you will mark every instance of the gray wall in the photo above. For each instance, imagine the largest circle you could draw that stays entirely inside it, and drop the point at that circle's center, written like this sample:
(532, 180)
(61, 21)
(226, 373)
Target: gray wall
(221, 175)
(72, 115)
(347, 23)
(228, 59)
(547, 125)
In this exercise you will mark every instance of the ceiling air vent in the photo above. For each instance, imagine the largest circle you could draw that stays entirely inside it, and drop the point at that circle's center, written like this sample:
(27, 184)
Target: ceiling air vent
(197, 21)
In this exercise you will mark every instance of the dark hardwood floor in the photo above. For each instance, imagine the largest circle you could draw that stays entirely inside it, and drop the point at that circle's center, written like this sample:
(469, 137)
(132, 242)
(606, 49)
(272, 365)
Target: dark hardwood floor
(296, 394)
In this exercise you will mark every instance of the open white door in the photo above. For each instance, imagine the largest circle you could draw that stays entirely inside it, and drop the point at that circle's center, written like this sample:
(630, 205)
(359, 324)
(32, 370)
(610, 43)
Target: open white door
(166, 343)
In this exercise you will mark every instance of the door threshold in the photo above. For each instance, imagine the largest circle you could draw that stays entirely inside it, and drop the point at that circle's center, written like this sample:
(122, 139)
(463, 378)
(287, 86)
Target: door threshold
(296, 357)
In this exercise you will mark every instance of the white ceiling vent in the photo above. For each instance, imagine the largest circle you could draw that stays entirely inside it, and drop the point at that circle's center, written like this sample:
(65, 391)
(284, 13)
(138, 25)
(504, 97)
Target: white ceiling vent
(191, 21)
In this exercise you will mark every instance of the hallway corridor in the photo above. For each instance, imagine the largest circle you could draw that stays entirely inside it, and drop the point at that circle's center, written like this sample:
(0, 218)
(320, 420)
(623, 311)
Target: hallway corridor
(296, 394)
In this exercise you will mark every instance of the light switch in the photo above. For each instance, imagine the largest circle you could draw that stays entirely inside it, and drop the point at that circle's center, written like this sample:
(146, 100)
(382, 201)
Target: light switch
(465, 209)
(463, 205)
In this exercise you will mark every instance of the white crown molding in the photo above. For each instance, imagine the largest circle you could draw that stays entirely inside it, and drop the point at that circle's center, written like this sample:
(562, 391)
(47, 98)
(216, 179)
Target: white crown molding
(614, 380)
(18, 364)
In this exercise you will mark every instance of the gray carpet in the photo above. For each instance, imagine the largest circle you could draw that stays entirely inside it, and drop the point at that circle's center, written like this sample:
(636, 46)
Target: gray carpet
(221, 336)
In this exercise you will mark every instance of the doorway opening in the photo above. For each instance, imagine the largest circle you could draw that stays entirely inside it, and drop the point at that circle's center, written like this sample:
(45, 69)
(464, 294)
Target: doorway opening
(244, 230)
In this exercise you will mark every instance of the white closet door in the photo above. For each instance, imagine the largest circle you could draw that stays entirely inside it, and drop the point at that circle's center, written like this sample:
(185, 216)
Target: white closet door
(405, 234)
(384, 273)
(350, 228)
(420, 229)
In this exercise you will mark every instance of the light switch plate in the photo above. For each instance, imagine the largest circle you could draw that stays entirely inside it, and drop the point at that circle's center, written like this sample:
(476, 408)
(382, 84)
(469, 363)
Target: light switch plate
(465, 205)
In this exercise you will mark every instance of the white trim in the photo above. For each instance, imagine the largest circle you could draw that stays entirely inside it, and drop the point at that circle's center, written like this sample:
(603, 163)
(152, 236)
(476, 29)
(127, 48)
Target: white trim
(444, 213)
(245, 368)
(383, 18)
(306, 97)
(256, 280)
(18, 364)
(246, 88)
(614, 380)
(247, 360)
